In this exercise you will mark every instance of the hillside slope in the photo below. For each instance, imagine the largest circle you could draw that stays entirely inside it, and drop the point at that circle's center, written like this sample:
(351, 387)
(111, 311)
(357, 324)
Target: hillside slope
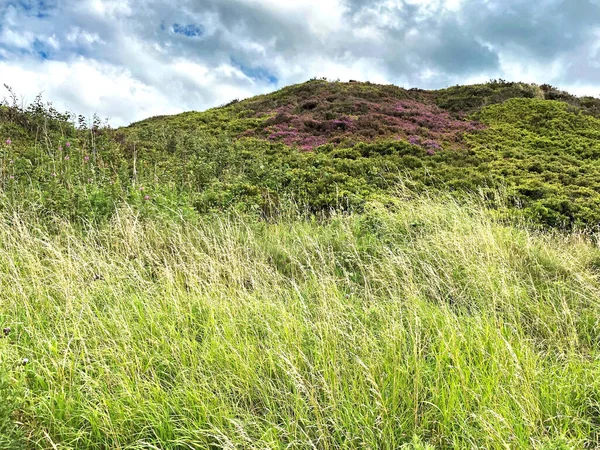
(538, 143)
(323, 145)
(305, 269)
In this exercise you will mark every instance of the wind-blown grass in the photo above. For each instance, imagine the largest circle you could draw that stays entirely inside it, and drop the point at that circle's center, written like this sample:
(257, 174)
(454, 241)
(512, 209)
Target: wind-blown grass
(423, 323)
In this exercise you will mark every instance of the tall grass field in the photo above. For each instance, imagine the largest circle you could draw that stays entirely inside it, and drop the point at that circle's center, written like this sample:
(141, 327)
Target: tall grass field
(423, 324)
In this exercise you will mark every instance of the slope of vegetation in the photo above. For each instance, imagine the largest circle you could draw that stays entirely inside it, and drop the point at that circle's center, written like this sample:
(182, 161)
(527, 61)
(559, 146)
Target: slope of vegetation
(324, 145)
(334, 265)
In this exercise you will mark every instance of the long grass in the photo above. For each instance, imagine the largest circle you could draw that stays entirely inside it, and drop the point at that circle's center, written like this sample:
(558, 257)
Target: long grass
(423, 325)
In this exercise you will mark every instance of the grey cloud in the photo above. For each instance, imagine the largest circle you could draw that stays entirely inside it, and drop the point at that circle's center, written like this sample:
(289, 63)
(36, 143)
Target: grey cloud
(471, 39)
(541, 29)
(456, 51)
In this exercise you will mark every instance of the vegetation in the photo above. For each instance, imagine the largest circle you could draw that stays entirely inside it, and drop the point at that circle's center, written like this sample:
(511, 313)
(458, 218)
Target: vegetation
(323, 145)
(423, 322)
(334, 265)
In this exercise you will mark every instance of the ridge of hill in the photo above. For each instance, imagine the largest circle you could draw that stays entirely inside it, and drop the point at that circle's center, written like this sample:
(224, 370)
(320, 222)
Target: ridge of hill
(319, 112)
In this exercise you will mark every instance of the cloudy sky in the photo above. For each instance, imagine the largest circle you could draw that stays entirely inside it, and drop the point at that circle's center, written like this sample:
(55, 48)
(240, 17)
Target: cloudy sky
(130, 59)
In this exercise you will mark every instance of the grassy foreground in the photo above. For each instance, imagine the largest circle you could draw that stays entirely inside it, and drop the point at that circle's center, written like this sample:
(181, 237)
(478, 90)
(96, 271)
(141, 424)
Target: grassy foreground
(423, 325)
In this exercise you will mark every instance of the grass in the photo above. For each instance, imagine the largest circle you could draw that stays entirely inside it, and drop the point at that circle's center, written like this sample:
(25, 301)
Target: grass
(423, 324)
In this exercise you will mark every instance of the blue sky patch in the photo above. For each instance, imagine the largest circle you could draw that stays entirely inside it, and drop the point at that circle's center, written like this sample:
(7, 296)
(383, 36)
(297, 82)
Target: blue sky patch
(36, 8)
(41, 49)
(256, 73)
(189, 30)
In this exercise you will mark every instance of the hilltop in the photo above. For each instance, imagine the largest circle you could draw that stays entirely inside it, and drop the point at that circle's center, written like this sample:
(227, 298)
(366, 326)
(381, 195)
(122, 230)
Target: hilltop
(319, 112)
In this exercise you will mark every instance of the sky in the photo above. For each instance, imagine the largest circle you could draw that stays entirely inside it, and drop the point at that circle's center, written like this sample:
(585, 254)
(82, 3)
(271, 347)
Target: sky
(127, 60)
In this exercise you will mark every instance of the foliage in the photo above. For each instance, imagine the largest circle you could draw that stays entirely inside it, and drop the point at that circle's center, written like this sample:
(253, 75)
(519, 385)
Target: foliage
(319, 112)
(471, 98)
(359, 139)
(204, 281)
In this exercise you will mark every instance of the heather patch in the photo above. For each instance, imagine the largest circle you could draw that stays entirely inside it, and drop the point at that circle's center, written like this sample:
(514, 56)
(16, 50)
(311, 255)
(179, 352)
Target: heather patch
(333, 115)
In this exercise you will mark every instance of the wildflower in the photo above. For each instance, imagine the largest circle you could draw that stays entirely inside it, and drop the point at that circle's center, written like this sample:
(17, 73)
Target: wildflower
(8, 141)
(25, 361)
(12, 177)
(147, 197)
(60, 148)
(86, 158)
(141, 188)
(67, 157)
(53, 174)
(68, 144)
(6, 331)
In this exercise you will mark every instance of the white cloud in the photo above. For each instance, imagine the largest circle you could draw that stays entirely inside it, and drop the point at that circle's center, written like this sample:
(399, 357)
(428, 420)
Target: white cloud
(107, 7)
(85, 87)
(79, 36)
(17, 39)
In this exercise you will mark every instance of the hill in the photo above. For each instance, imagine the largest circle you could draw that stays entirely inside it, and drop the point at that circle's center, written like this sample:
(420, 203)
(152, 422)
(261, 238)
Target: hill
(324, 145)
(333, 265)
(320, 112)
